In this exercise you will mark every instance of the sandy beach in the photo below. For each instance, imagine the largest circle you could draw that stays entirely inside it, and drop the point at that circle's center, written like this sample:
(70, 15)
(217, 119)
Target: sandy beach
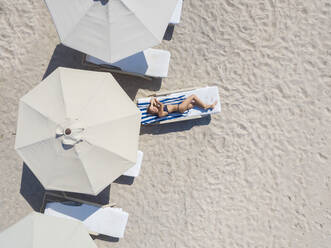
(256, 175)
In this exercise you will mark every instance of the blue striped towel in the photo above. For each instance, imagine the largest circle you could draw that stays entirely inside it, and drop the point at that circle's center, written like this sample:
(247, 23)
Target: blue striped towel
(150, 118)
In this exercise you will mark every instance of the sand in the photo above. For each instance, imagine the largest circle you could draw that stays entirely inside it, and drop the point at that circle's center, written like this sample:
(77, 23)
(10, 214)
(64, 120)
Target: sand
(256, 175)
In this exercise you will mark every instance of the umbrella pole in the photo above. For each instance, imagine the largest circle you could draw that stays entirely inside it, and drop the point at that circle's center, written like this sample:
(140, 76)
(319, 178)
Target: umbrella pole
(111, 69)
(65, 197)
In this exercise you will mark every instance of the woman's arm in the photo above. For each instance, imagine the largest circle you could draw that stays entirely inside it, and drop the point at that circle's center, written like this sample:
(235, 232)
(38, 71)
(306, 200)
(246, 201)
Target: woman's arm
(153, 101)
(157, 101)
(161, 112)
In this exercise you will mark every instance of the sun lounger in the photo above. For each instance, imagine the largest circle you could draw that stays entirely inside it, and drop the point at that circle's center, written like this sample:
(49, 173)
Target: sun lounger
(134, 171)
(148, 64)
(206, 94)
(98, 220)
(175, 19)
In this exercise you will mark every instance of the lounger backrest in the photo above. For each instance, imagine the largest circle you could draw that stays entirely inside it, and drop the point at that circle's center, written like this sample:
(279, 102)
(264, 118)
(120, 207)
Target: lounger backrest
(175, 18)
(134, 171)
(107, 221)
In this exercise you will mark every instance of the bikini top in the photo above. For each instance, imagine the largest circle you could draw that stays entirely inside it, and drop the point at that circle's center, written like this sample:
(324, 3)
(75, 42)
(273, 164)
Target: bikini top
(165, 108)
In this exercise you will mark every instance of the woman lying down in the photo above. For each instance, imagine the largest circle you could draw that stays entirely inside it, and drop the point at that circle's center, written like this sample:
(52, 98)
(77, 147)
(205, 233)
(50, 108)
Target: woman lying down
(158, 108)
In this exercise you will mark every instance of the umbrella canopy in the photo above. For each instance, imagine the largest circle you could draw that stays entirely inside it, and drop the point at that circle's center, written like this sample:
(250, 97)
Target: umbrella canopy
(39, 231)
(111, 30)
(78, 131)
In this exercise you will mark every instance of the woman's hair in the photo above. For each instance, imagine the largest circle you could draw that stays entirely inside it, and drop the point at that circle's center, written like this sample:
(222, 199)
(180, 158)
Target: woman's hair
(150, 111)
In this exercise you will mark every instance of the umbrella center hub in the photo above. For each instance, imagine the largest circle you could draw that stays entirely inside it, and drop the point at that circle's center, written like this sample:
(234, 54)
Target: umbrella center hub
(71, 132)
(67, 131)
(103, 2)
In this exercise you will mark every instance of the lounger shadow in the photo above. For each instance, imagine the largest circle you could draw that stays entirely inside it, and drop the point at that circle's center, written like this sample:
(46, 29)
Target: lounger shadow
(169, 32)
(181, 126)
(148, 64)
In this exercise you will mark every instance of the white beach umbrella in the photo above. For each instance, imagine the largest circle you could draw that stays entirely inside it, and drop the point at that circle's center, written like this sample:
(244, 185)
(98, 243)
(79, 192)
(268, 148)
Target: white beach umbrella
(39, 231)
(78, 131)
(111, 30)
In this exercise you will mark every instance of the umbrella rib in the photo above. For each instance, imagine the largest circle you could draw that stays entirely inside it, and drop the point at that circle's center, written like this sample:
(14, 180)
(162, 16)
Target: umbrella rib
(31, 144)
(42, 114)
(62, 90)
(102, 148)
(51, 182)
(157, 39)
(141, 21)
(92, 143)
(108, 29)
(87, 175)
(71, 235)
(94, 96)
(33, 231)
(75, 25)
(85, 169)
(107, 121)
(48, 118)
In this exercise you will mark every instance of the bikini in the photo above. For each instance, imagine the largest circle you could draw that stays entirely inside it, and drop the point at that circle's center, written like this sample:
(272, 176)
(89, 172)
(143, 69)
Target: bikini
(165, 108)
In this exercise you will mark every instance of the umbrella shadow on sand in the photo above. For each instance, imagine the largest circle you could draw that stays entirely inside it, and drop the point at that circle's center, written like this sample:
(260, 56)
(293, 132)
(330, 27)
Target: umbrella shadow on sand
(131, 84)
(175, 126)
(33, 191)
(66, 57)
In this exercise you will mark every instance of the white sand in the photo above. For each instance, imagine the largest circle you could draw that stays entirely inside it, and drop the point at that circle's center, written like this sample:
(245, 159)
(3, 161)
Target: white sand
(258, 175)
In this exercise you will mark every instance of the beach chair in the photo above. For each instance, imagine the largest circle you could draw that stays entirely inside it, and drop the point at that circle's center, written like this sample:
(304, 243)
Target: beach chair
(206, 94)
(134, 171)
(95, 217)
(148, 64)
(98, 219)
(175, 19)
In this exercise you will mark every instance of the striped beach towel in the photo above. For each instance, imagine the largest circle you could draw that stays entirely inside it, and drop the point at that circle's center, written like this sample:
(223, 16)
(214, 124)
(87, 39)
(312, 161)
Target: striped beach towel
(147, 118)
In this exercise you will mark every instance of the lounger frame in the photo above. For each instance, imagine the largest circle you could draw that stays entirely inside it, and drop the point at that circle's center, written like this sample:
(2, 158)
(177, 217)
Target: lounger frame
(165, 93)
(63, 197)
(112, 69)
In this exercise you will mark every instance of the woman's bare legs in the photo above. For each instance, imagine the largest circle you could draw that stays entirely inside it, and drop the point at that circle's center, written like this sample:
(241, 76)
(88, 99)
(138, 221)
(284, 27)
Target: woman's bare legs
(201, 104)
(192, 101)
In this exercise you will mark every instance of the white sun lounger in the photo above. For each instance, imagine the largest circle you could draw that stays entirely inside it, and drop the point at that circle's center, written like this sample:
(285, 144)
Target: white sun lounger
(206, 94)
(134, 171)
(150, 63)
(175, 19)
(98, 220)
